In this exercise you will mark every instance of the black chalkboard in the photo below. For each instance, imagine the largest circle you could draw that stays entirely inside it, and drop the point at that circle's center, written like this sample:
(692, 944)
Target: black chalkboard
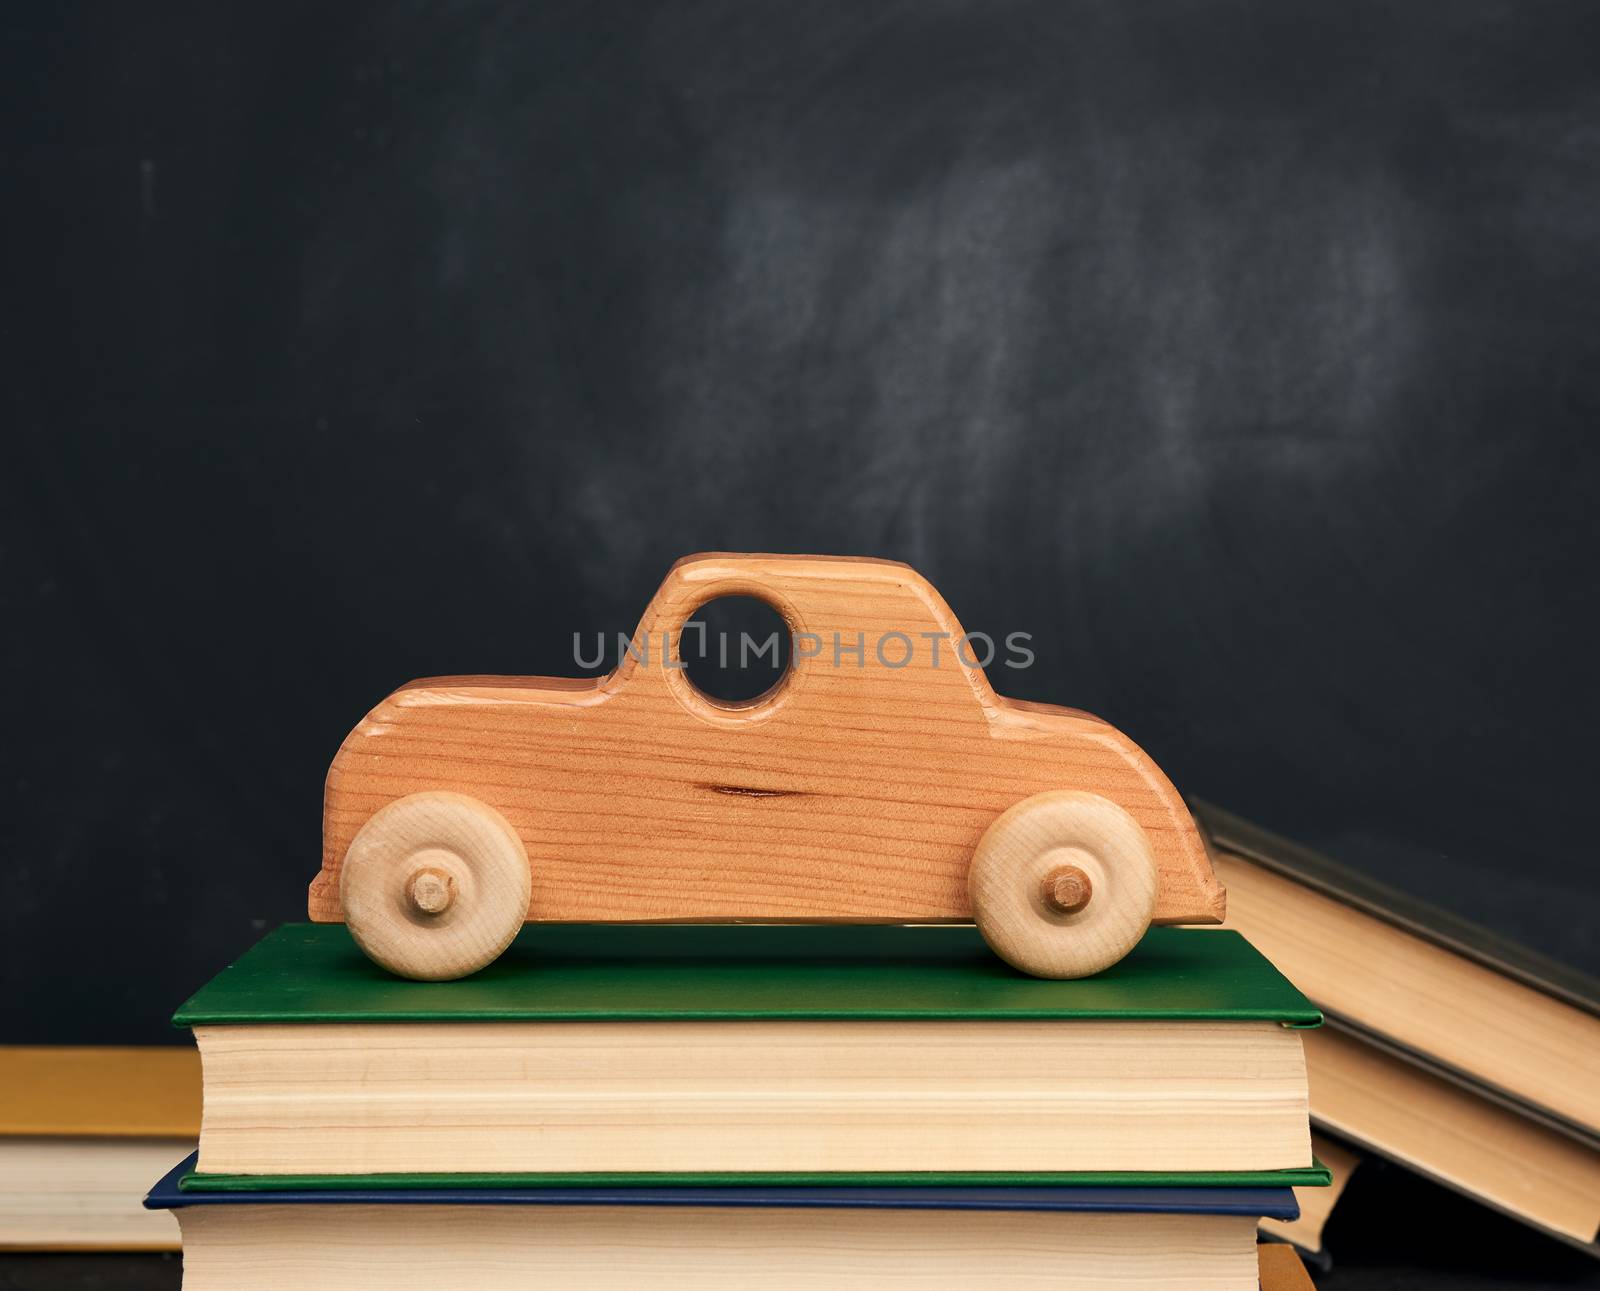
(1245, 354)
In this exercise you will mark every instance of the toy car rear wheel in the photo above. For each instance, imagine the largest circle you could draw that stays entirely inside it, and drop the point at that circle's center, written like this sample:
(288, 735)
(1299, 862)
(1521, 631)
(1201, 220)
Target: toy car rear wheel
(435, 886)
(1063, 884)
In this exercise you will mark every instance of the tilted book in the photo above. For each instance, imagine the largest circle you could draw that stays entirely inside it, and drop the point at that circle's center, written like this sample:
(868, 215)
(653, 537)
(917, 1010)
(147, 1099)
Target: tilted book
(1463, 1057)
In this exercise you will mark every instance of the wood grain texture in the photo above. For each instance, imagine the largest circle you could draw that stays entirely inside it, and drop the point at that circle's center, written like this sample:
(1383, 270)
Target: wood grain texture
(854, 791)
(435, 885)
(1063, 884)
(679, 1248)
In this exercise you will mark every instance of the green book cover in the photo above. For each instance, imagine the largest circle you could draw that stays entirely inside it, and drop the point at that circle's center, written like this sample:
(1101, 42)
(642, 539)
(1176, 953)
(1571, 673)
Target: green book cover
(1315, 1175)
(307, 973)
(703, 972)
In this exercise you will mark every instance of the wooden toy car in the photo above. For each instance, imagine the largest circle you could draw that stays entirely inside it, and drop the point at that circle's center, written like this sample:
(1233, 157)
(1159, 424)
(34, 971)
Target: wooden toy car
(881, 780)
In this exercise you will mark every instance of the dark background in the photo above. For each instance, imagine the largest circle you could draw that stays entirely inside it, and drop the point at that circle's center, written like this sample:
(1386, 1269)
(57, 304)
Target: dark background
(1246, 354)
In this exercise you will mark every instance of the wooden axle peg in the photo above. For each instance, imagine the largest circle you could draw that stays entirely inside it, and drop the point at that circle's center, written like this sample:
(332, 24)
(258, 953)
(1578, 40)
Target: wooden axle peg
(435, 885)
(431, 891)
(1035, 870)
(1067, 889)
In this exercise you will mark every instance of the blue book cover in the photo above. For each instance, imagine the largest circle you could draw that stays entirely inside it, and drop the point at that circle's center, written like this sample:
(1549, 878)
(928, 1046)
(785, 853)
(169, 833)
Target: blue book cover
(1274, 1203)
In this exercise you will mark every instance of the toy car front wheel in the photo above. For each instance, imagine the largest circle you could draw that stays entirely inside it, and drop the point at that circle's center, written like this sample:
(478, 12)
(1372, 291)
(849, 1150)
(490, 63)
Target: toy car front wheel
(435, 886)
(1063, 884)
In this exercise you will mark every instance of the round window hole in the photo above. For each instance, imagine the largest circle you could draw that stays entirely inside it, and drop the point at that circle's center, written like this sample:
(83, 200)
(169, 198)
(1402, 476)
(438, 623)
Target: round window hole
(735, 649)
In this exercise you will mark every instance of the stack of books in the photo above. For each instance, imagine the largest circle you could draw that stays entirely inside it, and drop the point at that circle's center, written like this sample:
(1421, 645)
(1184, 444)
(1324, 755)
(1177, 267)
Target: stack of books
(83, 1130)
(722, 1106)
(1463, 1057)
